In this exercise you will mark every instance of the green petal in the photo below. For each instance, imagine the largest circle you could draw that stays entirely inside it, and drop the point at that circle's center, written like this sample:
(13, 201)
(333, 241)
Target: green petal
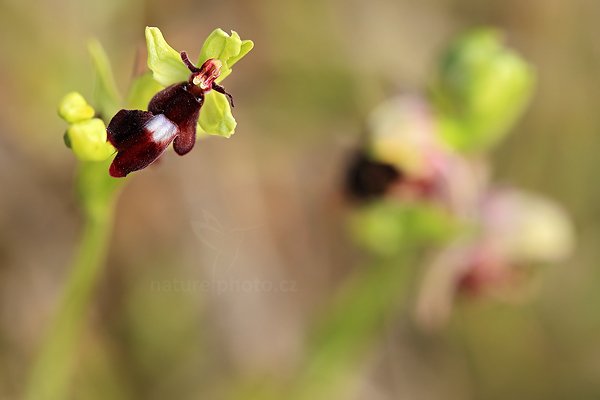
(164, 61)
(106, 96)
(215, 115)
(87, 139)
(74, 108)
(245, 48)
(228, 49)
(141, 92)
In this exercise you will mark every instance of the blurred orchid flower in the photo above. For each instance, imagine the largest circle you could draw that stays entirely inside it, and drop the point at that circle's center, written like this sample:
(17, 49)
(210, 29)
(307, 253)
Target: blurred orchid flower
(402, 134)
(517, 230)
(405, 159)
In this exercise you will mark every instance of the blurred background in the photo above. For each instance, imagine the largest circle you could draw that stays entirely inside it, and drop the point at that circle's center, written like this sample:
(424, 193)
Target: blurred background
(222, 260)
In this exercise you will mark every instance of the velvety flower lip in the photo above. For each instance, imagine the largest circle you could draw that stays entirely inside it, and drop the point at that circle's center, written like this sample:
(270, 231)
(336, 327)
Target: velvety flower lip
(181, 106)
(141, 137)
(367, 179)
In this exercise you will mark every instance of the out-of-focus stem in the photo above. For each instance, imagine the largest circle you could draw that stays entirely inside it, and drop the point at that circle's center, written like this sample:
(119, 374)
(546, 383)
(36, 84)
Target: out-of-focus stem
(350, 328)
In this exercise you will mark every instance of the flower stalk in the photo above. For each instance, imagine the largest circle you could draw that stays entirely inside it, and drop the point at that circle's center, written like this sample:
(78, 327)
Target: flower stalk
(350, 328)
(54, 366)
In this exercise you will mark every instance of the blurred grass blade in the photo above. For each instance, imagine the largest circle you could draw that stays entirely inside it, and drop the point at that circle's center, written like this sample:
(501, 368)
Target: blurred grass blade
(351, 326)
(107, 99)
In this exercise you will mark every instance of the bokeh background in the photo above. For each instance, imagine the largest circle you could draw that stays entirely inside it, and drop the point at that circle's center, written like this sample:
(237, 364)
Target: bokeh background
(265, 206)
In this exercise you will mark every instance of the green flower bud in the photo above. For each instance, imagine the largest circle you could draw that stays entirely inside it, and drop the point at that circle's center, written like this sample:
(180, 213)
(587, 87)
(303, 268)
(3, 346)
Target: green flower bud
(481, 90)
(87, 139)
(74, 108)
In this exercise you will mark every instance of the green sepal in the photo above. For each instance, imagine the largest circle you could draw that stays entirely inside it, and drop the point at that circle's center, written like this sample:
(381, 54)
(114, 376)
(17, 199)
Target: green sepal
(66, 140)
(164, 61)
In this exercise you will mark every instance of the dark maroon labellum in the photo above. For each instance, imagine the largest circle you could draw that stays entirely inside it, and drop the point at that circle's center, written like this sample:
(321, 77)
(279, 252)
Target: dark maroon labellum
(367, 179)
(140, 137)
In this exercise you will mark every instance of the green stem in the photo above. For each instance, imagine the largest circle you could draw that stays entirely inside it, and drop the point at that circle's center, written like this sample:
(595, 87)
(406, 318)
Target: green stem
(51, 373)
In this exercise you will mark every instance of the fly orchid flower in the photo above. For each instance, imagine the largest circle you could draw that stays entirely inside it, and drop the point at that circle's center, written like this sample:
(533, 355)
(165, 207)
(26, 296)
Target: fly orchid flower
(399, 152)
(140, 137)
(181, 99)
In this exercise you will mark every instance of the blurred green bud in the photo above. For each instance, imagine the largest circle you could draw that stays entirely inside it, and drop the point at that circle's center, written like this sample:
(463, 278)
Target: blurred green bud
(481, 89)
(106, 95)
(228, 49)
(215, 115)
(74, 108)
(87, 139)
(164, 61)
